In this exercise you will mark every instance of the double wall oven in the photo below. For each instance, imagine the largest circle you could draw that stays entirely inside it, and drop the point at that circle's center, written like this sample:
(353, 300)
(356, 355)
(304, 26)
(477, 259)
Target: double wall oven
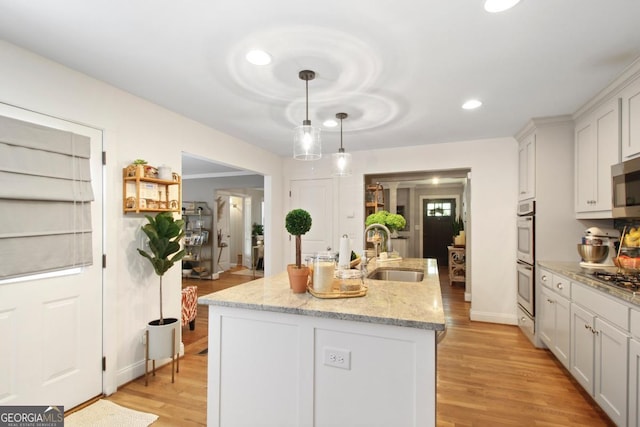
(526, 266)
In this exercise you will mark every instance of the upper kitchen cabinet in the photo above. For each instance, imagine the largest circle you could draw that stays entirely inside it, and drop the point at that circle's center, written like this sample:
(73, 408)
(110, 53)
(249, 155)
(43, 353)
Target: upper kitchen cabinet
(548, 144)
(597, 142)
(527, 167)
(630, 96)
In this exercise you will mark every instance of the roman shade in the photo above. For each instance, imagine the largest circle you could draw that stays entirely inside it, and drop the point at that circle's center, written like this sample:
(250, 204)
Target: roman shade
(45, 199)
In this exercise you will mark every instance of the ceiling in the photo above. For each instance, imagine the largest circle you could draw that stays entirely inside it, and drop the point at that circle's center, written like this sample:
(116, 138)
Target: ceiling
(401, 70)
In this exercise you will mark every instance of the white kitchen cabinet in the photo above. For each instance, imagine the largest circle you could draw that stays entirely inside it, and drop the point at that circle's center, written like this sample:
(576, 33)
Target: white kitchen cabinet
(631, 120)
(527, 168)
(634, 383)
(611, 369)
(555, 317)
(597, 142)
(600, 349)
(634, 369)
(582, 347)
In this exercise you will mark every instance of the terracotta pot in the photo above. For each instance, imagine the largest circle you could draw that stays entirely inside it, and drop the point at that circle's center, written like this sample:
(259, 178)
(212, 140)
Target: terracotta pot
(298, 278)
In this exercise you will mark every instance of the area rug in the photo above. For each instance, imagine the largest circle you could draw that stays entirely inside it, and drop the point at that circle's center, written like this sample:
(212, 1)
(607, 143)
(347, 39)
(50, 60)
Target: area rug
(104, 413)
(247, 272)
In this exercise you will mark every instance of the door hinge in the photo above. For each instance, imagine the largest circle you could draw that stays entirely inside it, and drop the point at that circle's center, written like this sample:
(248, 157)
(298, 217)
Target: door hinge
(104, 260)
(104, 158)
(104, 363)
(289, 193)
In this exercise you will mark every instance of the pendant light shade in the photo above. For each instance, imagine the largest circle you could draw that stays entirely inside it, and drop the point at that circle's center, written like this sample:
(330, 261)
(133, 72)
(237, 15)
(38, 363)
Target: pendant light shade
(306, 138)
(341, 161)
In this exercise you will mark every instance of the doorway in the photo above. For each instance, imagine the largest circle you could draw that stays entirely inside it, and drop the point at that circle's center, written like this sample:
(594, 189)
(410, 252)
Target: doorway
(437, 227)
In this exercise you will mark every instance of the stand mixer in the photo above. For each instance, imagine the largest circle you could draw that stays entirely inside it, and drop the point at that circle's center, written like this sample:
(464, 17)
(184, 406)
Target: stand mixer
(591, 249)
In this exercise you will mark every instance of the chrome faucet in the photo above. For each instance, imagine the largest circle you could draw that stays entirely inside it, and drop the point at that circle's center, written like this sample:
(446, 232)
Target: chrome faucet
(376, 244)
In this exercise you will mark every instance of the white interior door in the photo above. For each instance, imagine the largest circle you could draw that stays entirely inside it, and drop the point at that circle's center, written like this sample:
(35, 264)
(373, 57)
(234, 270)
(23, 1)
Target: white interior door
(223, 227)
(51, 328)
(316, 197)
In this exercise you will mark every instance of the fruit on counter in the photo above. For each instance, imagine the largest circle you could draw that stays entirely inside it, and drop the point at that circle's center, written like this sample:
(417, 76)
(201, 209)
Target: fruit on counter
(632, 238)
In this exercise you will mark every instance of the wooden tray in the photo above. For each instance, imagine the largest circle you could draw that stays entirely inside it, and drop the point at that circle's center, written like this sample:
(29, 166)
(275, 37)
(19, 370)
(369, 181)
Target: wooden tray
(337, 293)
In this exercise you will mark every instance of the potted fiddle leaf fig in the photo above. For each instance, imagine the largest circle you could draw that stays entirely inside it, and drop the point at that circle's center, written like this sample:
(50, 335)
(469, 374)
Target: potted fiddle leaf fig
(297, 223)
(164, 233)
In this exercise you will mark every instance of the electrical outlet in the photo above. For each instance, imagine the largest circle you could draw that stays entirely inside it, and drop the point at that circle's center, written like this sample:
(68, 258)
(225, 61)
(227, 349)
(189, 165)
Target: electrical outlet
(337, 357)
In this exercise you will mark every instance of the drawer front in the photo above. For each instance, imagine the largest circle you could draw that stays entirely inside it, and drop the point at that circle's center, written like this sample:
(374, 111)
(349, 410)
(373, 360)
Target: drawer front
(562, 286)
(546, 278)
(615, 312)
(525, 322)
(558, 284)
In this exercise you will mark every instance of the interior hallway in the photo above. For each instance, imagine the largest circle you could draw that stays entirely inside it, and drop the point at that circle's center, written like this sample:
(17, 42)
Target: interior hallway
(488, 375)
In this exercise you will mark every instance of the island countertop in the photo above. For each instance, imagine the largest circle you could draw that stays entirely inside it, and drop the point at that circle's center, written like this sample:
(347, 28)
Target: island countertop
(408, 304)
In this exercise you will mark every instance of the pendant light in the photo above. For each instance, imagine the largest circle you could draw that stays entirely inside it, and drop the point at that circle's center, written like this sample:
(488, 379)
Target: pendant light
(306, 140)
(341, 160)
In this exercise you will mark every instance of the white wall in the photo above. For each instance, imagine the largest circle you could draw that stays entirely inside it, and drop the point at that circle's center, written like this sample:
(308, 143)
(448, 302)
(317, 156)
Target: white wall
(494, 177)
(133, 128)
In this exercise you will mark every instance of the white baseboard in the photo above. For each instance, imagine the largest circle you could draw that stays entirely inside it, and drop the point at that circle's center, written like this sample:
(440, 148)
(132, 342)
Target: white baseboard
(502, 318)
(136, 370)
(467, 296)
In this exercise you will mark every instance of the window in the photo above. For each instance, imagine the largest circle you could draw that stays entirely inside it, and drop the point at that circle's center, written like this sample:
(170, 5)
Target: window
(439, 209)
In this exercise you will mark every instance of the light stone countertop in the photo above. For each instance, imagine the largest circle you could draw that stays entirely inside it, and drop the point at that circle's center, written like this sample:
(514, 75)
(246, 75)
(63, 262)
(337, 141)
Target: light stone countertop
(409, 304)
(573, 271)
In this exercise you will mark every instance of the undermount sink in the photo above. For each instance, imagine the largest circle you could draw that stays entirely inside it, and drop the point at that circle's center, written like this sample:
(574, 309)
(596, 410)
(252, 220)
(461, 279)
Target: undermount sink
(397, 275)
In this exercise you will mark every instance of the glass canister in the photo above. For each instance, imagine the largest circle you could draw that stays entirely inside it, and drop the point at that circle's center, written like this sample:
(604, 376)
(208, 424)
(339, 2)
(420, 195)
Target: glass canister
(350, 280)
(324, 265)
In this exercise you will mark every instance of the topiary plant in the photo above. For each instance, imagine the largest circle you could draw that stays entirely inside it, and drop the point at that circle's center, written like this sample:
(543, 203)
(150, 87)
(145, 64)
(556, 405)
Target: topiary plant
(164, 233)
(297, 223)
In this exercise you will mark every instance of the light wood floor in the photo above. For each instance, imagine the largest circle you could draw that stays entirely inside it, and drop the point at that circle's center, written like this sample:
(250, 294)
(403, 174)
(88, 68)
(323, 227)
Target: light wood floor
(488, 375)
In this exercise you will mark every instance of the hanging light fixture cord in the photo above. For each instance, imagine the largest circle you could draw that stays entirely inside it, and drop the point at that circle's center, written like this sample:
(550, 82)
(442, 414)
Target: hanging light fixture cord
(341, 116)
(307, 75)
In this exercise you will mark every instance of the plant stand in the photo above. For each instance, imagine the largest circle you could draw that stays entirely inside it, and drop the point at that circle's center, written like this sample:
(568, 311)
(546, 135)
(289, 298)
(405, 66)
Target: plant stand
(175, 357)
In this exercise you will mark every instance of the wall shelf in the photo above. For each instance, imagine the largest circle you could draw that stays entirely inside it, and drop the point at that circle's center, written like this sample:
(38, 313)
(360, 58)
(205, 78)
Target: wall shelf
(142, 192)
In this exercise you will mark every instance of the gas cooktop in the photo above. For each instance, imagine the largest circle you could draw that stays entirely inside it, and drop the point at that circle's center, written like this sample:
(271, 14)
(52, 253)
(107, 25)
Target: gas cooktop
(626, 281)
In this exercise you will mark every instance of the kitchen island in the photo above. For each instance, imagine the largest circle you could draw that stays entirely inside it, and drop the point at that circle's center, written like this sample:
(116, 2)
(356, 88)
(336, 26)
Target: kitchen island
(282, 359)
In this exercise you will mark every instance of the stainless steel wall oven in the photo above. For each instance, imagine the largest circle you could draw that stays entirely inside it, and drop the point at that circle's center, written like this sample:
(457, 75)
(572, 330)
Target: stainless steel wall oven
(526, 257)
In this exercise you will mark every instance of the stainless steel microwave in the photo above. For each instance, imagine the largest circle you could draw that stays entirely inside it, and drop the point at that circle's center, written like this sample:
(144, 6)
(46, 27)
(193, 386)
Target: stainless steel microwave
(625, 179)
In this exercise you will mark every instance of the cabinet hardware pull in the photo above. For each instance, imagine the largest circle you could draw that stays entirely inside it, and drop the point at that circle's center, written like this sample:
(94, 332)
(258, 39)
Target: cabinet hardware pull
(549, 301)
(587, 326)
(559, 286)
(544, 278)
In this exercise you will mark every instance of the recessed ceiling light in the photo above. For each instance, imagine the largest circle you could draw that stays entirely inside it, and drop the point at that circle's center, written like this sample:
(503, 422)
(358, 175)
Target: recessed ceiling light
(330, 123)
(471, 104)
(495, 6)
(258, 57)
